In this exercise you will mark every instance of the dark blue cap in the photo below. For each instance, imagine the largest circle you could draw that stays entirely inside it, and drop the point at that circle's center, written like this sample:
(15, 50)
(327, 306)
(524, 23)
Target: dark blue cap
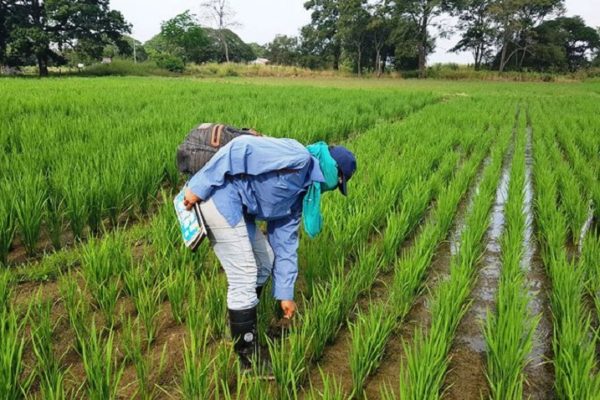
(346, 165)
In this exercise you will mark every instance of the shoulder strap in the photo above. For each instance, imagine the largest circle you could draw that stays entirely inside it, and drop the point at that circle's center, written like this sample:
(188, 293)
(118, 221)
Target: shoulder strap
(215, 139)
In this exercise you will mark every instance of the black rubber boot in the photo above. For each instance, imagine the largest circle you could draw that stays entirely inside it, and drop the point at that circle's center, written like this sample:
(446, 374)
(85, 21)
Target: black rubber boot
(244, 335)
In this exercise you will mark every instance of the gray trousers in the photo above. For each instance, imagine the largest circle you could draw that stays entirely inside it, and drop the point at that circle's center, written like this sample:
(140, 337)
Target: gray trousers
(247, 261)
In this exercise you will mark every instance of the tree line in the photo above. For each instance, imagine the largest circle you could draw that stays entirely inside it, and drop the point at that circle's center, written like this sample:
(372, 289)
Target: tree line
(400, 34)
(69, 32)
(361, 35)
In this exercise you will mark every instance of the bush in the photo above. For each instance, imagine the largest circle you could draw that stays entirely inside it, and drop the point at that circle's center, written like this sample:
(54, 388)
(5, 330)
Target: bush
(170, 63)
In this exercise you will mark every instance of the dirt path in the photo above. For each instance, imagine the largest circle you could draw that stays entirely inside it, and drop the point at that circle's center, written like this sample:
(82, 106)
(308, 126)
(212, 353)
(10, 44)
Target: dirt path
(539, 372)
(466, 378)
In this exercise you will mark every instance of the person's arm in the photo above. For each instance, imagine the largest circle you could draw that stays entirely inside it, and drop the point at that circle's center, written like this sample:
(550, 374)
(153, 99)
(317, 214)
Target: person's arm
(283, 238)
(247, 155)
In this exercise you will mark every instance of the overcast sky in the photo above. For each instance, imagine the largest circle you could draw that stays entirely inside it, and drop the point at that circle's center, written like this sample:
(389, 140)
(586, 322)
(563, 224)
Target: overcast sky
(261, 20)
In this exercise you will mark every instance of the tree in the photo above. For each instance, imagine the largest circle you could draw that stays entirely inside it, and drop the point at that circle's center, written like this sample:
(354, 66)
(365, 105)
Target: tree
(353, 30)
(223, 16)
(238, 50)
(422, 14)
(258, 50)
(43, 30)
(563, 44)
(283, 50)
(379, 29)
(476, 24)
(321, 37)
(515, 21)
(184, 38)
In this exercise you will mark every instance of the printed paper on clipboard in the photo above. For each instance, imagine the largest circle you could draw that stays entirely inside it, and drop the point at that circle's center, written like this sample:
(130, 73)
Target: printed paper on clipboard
(191, 222)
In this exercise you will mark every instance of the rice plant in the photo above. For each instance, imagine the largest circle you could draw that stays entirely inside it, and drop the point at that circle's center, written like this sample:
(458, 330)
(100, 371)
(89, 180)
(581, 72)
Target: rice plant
(30, 210)
(509, 331)
(5, 289)
(78, 309)
(369, 334)
(12, 366)
(178, 287)
(103, 371)
(55, 216)
(136, 352)
(573, 345)
(48, 369)
(148, 301)
(290, 358)
(7, 225)
(197, 365)
(332, 389)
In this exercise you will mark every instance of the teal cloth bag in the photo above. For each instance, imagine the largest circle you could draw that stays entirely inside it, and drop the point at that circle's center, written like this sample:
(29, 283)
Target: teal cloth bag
(311, 207)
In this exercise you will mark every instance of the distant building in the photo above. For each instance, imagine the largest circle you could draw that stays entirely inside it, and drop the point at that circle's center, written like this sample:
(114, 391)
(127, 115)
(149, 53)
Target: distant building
(260, 61)
(106, 60)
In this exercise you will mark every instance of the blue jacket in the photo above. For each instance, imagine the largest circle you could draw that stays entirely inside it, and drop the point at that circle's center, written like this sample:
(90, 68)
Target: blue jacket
(266, 179)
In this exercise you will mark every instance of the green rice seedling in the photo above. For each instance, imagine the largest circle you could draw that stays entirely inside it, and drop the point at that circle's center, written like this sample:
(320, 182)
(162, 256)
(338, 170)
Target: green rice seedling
(332, 389)
(5, 289)
(197, 365)
(134, 279)
(7, 225)
(214, 301)
(178, 287)
(369, 334)
(290, 358)
(573, 345)
(509, 331)
(102, 371)
(11, 356)
(225, 364)
(147, 303)
(93, 202)
(113, 189)
(107, 296)
(78, 308)
(75, 204)
(48, 370)
(136, 348)
(30, 210)
(55, 217)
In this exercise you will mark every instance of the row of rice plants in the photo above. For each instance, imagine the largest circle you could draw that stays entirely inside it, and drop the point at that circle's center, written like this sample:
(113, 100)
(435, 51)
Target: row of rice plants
(509, 329)
(422, 375)
(67, 177)
(330, 304)
(573, 344)
(372, 330)
(288, 356)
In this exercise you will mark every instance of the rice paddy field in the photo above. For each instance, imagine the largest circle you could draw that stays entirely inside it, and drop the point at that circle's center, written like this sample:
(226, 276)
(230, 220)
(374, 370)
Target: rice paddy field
(465, 263)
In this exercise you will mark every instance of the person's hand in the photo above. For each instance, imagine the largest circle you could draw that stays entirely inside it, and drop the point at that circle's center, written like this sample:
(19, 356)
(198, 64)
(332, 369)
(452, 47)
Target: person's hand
(190, 199)
(289, 308)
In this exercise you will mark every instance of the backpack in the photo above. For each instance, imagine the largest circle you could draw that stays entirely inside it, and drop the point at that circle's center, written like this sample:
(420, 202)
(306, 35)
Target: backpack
(203, 142)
